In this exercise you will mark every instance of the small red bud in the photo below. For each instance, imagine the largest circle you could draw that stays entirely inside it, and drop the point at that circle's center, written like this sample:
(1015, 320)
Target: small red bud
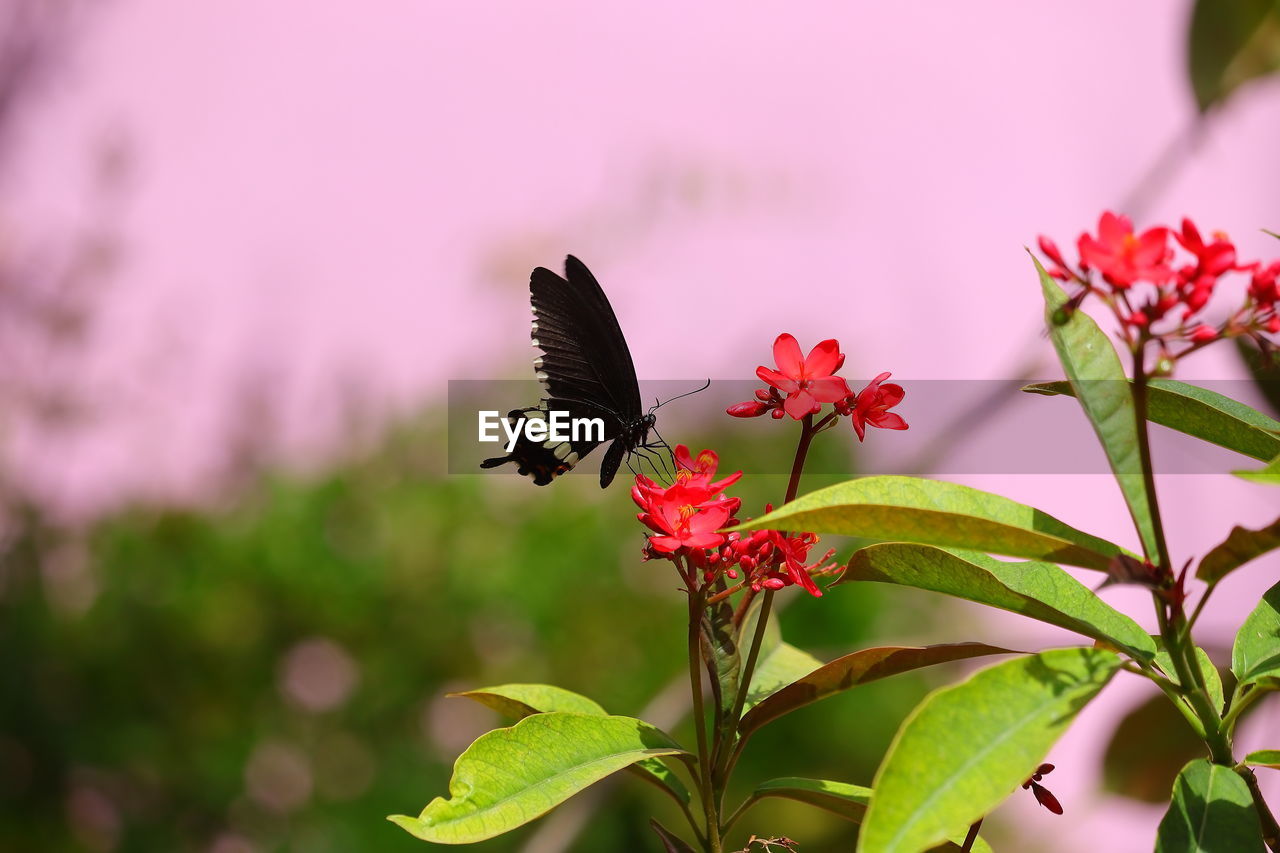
(749, 409)
(1051, 251)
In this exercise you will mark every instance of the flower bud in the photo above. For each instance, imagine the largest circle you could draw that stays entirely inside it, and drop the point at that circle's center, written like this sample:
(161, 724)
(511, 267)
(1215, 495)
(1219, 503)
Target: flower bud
(749, 409)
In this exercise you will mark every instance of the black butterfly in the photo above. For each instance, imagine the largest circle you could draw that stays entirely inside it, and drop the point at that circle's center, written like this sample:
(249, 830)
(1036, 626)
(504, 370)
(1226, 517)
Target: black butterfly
(586, 370)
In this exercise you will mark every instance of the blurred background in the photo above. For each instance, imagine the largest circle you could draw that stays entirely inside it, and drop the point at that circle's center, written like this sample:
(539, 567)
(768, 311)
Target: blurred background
(244, 245)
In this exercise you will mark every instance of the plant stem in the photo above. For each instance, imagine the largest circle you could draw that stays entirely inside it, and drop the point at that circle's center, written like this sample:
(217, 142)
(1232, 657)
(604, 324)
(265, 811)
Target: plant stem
(1144, 455)
(730, 756)
(972, 836)
(1195, 614)
(1238, 706)
(697, 601)
(1181, 652)
(1270, 829)
(802, 450)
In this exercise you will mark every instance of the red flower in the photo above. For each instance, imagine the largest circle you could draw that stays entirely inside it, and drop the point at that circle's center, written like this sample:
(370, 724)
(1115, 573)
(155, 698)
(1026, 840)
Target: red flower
(772, 559)
(1212, 259)
(872, 404)
(687, 515)
(680, 521)
(1263, 287)
(806, 380)
(1196, 281)
(697, 473)
(1123, 257)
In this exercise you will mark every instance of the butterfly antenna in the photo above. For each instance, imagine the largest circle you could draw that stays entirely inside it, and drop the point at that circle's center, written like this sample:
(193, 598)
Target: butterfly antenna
(659, 405)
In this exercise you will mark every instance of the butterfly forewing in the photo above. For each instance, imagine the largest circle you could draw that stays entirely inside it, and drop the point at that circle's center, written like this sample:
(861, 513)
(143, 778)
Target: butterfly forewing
(585, 356)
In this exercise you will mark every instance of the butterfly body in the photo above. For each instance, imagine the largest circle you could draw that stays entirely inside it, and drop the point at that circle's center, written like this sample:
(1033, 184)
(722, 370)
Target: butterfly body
(586, 370)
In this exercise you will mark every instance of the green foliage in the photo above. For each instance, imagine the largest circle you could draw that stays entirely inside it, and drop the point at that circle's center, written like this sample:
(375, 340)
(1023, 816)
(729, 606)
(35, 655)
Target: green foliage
(1212, 680)
(165, 690)
(1240, 546)
(1201, 413)
(910, 509)
(1255, 657)
(851, 670)
(1039, 590)
(1264, 758)
(967, 747)
(1231, 42)
(521, 700)
(511, 776)
(848, 801)
(1098, 380)
(1267, 475)
(1211, 812)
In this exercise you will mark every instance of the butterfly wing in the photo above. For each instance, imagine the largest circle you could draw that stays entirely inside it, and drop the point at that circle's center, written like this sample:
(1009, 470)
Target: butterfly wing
(585, 356)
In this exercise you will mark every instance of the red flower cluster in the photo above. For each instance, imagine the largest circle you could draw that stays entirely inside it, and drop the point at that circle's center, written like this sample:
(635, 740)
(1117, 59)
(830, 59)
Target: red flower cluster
(772, 559)
(685, 519)
(1125, 259)
(686, 516)
(810, 381)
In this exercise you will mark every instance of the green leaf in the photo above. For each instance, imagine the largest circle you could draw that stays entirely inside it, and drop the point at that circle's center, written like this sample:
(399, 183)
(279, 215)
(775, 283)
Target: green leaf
(1201, 413)
(1211, 812)
(778, 663)
(854, 669)
(781, 666)
(848, 801)
(518, 701)
(671, 842)
(1256, 653)
(1231, 42)
(1212, 679)
(932, 512)
(1267, 475)
(1241, 546)
(967, 747)
(1039, 590)
(508, 777)
(1264, 758)
(1147, 750)
(1099, 381)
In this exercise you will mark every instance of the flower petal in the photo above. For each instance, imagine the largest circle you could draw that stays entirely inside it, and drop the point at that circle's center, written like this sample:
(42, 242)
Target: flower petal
(887, 420)
(823, 360)
(829, 389)
(799, 404)
(786, 354)
(785, 384)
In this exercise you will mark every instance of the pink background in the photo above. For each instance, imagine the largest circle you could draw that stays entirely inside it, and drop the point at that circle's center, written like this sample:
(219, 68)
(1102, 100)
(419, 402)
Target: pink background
(346, 199)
